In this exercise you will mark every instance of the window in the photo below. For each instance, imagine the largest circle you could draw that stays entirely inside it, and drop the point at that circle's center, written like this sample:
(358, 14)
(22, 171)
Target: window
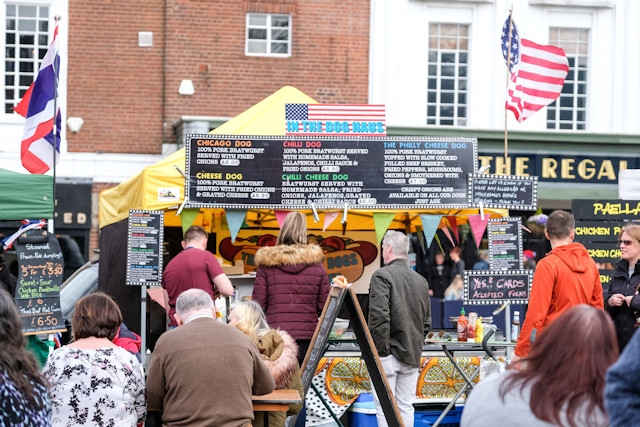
(569, 111)
(447, 74)
(27, 41)
(268, 34)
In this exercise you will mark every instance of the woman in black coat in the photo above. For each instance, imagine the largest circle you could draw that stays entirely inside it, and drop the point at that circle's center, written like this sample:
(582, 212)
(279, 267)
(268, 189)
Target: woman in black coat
(622, 300)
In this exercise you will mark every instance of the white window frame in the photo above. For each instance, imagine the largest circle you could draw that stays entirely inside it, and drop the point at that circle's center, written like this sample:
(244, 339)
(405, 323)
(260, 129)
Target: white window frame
(580, 66)
(269, 29)
(457, 120)
(36, 59)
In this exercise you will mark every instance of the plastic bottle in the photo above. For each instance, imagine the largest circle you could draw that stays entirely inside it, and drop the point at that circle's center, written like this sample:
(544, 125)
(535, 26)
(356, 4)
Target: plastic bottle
(471, 327)
(479, 330)
(462, 326)
(515, 326)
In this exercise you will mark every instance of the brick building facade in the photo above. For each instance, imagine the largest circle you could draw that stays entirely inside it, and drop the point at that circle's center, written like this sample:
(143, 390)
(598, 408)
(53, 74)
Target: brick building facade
(128, 94)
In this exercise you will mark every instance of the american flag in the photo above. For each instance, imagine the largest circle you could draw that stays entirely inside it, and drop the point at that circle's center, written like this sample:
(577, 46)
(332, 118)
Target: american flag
(37, 151)
(537, 72)
(324, 113)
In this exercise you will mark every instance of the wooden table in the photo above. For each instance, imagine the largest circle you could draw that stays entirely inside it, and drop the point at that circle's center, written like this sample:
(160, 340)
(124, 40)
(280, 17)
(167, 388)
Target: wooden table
(277, 400)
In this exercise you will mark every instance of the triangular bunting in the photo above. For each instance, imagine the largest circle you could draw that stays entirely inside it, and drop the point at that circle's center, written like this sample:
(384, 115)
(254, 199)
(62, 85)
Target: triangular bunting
(446, 232)
(235, 218)
(420, 235)
(187, 216)
(438, 242)
(280, 216)
(453, 222)
(478, 226)
(381, 221)
(329, 217)
(430, 226)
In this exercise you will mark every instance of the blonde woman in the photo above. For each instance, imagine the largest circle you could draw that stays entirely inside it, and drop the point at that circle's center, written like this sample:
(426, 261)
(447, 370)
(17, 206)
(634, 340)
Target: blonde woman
(455, 291)
(291, 283)
(278, 350)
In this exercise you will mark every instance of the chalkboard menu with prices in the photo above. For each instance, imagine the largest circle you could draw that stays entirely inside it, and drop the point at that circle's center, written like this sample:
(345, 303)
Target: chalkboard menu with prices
(503, 192)
(328, 172)
(144, 246)
(40, 272)
(497, 287)
(505, 243)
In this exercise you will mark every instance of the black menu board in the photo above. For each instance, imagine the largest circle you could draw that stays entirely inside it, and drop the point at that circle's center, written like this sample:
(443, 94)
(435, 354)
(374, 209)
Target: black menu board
(231, 171)
(40, 272)
(598, 231)
(605, 209)
(505, 243)
(144, 245)
(503, 191)
(497, 287)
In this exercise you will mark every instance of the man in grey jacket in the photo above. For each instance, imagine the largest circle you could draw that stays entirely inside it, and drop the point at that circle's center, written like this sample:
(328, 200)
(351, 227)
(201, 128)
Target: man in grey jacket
(399, 320)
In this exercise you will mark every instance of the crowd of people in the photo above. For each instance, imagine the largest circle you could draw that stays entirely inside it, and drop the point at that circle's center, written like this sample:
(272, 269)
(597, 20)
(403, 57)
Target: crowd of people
(575, 362)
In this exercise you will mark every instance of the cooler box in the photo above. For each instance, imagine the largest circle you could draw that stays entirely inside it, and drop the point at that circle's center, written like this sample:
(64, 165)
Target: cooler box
(363, 414)
(426, 418)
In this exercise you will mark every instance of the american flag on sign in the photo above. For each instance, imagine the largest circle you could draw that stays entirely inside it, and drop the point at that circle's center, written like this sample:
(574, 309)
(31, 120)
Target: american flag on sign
(537, 72)
(362, 119)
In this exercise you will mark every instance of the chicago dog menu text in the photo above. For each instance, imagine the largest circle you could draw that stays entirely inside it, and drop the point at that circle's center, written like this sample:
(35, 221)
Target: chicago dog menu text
(288, 172)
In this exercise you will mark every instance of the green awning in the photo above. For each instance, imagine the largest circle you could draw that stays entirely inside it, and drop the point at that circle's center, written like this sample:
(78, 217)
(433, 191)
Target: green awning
(25, 196)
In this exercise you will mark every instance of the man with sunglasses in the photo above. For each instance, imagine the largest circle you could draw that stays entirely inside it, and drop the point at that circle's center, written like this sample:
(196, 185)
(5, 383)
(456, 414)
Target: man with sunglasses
(565, 277)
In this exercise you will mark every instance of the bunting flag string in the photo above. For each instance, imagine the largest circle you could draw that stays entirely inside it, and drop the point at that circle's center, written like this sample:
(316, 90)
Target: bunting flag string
(430, 226)
(280, 216)
(381, 221)
(235, 218)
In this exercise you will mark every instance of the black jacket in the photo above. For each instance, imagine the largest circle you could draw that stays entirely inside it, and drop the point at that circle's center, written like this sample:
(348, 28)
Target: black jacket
(439, 282)
(399, 311)
(624, 317)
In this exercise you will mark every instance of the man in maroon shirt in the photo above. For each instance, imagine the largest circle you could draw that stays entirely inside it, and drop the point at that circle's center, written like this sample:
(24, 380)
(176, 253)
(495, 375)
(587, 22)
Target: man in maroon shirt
(194, 267)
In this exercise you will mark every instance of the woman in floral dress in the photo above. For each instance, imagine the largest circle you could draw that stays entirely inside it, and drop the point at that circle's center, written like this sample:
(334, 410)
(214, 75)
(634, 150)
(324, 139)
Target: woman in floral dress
(93, 382)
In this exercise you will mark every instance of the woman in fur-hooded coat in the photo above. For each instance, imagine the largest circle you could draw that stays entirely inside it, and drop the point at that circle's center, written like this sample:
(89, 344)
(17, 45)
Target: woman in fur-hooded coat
(291, 283)
(279, 351)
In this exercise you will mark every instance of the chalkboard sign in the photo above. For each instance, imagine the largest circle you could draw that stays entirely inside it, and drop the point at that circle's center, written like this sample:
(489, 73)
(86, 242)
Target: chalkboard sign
(144, 246)
(327, 318)
(317, 347)
(40, 272)
(603, 252)
(497, 287)
(230, 171)
(503, 191)
(505, 243)
(597, 231)
(606, 209)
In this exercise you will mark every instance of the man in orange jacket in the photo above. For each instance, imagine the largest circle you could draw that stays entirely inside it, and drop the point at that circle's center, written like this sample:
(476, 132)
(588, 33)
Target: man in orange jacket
(565, 277)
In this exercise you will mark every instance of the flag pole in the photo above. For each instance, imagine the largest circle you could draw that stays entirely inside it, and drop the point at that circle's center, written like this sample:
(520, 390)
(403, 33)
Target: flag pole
(506, 138)
(56, 137)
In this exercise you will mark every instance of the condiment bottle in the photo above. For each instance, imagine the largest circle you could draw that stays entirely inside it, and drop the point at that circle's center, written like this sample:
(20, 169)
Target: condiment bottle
(515, 326)
(471, 327)
(479, 330)
(462, 326)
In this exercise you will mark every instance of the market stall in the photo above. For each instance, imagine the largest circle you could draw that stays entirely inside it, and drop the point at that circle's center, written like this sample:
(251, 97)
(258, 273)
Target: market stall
(351, 234)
